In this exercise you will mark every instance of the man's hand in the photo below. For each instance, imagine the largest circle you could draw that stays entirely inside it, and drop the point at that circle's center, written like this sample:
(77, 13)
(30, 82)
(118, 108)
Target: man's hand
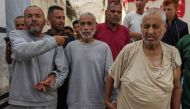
(110, 105)
(60, 40)
(46, 83)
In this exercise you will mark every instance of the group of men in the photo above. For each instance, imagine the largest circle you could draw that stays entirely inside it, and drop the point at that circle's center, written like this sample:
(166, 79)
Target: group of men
(86, 68)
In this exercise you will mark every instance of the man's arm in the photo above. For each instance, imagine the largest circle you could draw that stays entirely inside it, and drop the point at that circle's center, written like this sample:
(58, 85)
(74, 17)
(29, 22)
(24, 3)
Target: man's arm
(24, 49)
(136, 35)
(61, 65)
(108, 92)
(176, 93)
(55, 78)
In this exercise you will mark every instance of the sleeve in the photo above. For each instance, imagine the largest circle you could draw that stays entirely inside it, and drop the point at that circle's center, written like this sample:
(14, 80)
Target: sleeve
(68, 54)
(61, 66)
(25, 50)
(118, 67)
(108, 60)
(185, 31)
(180, 46)
(177, 58)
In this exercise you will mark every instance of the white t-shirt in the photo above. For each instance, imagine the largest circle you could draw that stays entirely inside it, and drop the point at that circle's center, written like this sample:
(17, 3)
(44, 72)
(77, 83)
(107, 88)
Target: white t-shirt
(133, 21)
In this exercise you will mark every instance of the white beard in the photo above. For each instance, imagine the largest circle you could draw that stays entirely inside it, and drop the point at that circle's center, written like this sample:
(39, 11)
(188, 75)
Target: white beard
(87, 34)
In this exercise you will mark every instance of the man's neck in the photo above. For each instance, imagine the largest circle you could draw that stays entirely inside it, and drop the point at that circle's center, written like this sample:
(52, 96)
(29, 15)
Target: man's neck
(113, 27)
(56, 32)
(90, 40)
(140, 11)
(170, 20)
(155, 55)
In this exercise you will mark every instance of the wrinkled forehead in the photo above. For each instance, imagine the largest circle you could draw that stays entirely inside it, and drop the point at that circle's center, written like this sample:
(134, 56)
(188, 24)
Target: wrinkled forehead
(87, 18)
(33, 10)
(152, 18)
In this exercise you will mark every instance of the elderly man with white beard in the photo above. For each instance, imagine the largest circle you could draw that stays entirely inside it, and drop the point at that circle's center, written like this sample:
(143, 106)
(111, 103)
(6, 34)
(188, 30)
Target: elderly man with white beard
(89, 61)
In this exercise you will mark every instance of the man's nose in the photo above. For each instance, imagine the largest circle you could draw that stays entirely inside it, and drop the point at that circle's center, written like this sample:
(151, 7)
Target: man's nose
(150, 30)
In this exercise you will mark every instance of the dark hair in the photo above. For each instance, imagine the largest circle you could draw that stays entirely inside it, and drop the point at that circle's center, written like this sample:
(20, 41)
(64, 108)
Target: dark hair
(167, 2)
(52, 8)
(18, 17)
(75, 22)
(68, 28)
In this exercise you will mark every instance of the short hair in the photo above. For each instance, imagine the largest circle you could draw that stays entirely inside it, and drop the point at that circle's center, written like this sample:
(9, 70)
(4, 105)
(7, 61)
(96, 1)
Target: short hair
(114, 2)
(69, 28)
(167, 2)
(157, 11)
(52, 8)
(88, 14)
(19, 17)
(75, 22)
(33, 6)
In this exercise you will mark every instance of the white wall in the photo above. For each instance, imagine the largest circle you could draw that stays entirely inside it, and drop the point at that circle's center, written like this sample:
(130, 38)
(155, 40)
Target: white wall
(2, 16)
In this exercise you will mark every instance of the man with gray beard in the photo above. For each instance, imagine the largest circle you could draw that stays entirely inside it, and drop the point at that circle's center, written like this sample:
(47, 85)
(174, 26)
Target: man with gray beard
(89, 60)
(40, 64)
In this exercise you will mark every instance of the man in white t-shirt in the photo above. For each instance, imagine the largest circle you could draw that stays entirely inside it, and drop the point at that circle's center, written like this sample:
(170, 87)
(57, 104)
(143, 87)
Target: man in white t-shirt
(133, 20)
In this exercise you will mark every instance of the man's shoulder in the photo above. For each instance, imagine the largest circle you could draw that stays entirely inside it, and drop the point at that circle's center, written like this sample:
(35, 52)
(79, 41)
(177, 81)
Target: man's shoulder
(101, 43)
(101, 25)
(168, 48)
(185, 40)
(130, 14)
(181, 21)
(73, 43)
(133, 46)
(18, 33)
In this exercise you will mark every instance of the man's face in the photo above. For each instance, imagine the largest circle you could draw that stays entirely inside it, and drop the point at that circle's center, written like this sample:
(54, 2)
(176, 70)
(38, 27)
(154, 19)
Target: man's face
(87, 27)
(114, 14)
(34, 20)
(69, 32)
(140, 4)
(57, 20)
(170, 11)
(153, 29)
(20, 24)
(76, 28)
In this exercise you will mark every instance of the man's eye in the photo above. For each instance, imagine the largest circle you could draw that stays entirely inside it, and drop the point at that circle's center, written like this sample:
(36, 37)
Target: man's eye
(112, 11)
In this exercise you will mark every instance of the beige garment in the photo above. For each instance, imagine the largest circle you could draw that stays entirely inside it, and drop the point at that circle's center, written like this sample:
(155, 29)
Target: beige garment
(140, 84)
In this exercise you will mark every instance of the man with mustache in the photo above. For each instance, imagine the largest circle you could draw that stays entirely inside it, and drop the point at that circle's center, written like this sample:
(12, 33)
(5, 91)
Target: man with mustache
(89, 61)
(40, 65)
(133, 20)
(146, 72)
(56, 18)
(111, 32)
